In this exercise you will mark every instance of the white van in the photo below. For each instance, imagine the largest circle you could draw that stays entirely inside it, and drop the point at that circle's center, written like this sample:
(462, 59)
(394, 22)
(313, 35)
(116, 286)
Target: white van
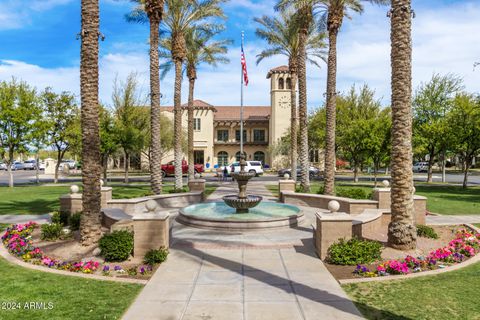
(252, 166)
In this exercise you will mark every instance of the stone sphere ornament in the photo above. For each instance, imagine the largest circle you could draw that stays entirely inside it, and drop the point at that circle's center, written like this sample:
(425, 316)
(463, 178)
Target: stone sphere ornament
(151, 205)
(333, 206)
(386, 183)
(74, 189)
(414, 190)
(197, 176)
(286, 176)
(101, 183)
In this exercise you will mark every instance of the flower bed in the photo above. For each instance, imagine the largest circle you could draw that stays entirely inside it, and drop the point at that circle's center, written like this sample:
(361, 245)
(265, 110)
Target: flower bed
(465, 245)
(18, 241)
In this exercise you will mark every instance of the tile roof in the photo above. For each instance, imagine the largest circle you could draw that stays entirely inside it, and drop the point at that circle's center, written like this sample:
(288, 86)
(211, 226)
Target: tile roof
(281, 69)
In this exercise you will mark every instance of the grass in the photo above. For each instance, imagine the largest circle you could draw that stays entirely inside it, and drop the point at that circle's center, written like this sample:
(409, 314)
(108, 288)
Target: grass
(72, 297)
(44, 199)
(451, 295)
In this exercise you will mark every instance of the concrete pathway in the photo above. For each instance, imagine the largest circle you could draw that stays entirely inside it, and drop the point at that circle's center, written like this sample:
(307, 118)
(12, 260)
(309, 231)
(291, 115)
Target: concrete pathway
(450, 220)
(242, 284)
(11, 218)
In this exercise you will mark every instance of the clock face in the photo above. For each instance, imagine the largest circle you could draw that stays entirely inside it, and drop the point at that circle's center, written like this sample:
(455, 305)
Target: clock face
(284, 102)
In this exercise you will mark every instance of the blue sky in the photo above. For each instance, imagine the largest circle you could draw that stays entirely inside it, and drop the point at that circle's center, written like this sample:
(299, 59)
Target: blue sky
(37, 44)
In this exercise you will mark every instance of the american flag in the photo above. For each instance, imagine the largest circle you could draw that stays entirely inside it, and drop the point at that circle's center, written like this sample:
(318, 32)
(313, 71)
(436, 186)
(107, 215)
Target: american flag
(244, 67)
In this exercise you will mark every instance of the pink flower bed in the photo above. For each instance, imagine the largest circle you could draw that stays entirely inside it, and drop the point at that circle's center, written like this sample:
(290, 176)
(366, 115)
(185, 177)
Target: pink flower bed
(465, 245)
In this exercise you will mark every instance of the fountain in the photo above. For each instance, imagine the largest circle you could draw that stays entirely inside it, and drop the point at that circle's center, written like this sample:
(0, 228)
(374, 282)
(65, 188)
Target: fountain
(242, 202)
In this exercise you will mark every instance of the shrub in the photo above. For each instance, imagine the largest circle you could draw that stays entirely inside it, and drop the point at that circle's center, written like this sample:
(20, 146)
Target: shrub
(75, 221)
(60, 217)
(354, 251)
(353, 193)
(116, 246)
(426, 232)
(51, 231)
(155, 256)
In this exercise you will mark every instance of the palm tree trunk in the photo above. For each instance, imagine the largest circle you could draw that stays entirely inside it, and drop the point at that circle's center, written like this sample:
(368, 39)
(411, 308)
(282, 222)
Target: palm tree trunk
(178, 125)
(155, 160)
(90, 227)
(294, 126)
(330, 157)
(302, 113)
(401, 231)
(191, 165)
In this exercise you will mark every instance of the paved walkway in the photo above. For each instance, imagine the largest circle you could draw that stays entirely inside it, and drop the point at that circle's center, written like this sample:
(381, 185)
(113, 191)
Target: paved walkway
(12, 218)
(450, 220)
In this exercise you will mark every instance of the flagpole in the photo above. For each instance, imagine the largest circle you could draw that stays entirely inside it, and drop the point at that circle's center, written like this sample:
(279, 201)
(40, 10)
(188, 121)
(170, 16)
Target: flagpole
(241, 105)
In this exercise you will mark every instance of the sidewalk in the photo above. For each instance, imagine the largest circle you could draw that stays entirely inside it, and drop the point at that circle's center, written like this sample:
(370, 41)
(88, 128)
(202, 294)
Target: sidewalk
(15, 219)
(450, 220)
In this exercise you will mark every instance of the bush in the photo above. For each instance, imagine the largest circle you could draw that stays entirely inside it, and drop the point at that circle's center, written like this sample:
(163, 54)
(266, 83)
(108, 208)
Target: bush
(74, 221)
(426, 232)
(354, 251)
(155, 256)
(353, 193)
(51, 231)
(60, 217)
(116, 246)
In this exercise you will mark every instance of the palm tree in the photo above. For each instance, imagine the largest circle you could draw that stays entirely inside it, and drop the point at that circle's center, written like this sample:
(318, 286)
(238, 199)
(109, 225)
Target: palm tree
(200, 49)
(282, 36)
(90, 227)
(401, 231)
(154, 11)
(332, 13)
(180, 16)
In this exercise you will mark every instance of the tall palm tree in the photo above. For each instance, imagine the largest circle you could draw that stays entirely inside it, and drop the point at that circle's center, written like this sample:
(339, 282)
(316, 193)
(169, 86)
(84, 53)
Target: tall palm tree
(200, 49)
(282, 36)
(90, 227)
(154, 11)
(401, 231)
(180, 16)
(332, 13)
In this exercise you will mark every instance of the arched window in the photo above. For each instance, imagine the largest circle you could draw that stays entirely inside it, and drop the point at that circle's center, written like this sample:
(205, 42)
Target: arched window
(222, 158)
(289, 83)
(259, 156)
(281, 84)
(237, 156)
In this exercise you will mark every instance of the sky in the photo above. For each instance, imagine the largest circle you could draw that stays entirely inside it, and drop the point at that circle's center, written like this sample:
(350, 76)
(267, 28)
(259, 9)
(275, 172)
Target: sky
(38, 45)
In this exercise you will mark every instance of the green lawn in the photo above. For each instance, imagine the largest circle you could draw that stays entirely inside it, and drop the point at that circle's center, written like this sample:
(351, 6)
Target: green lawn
(72, 297)
(452, 295)
(44, 199)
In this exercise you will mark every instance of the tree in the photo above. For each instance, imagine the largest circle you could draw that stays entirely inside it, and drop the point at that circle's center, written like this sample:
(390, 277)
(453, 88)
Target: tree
(431, 104)
(465, 121)
(19, 110)
(108, 139)
(402, 234)
(380, 145)
(60, 112)
(153, 9)
(90, 226)
(282, 35)
(200, 49)
(131, 120)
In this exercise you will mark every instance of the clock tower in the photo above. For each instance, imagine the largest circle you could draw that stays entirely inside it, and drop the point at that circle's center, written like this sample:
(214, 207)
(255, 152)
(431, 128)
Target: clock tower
(280, 90)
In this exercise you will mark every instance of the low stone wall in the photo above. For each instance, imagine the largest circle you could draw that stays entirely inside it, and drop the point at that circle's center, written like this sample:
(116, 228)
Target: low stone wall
(368, 222)
(350, 206)
(164, 201)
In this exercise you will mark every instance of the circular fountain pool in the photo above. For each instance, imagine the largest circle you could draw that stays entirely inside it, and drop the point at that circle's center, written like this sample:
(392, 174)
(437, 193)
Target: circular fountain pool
(218, 215)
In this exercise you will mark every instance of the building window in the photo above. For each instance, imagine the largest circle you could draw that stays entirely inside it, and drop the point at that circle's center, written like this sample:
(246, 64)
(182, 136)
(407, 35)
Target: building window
(222, 158)
(237, 135)
(259, 156)
(289, 83)
(197, 124)
(258, 135)
(281, 84)
(222, 135)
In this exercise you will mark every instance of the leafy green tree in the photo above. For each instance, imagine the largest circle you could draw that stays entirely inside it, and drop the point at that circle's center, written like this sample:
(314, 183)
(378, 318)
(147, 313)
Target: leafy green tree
(465, 121)
(19, 109)
(380, 146)
(60, 112)
(431, 104)
(131, 120)
(108, 139)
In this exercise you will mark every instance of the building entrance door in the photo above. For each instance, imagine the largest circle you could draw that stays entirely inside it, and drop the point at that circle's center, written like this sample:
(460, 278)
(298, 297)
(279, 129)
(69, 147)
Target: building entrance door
(198, 157)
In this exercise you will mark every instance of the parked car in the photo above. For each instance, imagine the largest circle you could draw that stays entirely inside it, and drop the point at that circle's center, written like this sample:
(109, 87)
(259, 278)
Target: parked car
(313, 172)
(252, 166)
(3, 166)
(169, 168)
(41, 166)
(17, 166)
(71, 163)
(420, 167)
(30, 165)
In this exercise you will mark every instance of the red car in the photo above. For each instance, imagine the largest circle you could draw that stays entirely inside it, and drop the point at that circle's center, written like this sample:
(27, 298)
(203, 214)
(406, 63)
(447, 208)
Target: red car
(169, 168)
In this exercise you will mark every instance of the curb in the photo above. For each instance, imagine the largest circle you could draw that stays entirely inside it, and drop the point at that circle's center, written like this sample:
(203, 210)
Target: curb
(7, 256)
(458, 266)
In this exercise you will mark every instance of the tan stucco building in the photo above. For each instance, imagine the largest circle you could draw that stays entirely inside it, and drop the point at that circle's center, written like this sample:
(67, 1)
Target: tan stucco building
(217, 128)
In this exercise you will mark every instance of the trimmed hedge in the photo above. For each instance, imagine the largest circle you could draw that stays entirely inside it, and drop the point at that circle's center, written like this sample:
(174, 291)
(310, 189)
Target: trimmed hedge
(426, 232)
(116, 246)
(354, 251)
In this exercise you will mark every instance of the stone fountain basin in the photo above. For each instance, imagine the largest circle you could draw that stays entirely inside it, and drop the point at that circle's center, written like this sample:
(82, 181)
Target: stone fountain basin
(249, 202)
